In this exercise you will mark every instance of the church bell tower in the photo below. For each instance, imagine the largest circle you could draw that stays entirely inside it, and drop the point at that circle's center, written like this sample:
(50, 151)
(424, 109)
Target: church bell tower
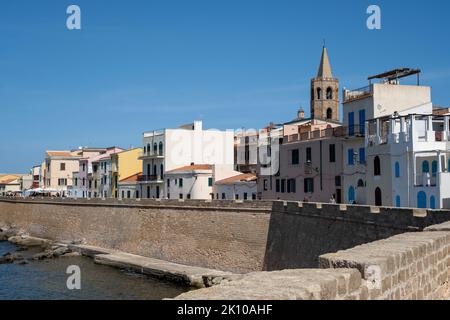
(325, 92)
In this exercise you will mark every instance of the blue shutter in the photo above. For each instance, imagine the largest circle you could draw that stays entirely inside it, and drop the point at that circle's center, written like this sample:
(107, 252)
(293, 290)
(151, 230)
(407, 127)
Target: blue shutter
(351, 124)
(362, 121)
(351, 160)
(362, 155)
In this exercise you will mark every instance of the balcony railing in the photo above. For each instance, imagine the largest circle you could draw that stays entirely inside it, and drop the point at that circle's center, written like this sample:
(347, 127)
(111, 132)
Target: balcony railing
(151, 178)
(426, 180)
(151, 155)
(360, 93)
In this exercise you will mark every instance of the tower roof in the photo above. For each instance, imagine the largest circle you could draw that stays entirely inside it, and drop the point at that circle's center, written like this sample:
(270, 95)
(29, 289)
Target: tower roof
(325, 66)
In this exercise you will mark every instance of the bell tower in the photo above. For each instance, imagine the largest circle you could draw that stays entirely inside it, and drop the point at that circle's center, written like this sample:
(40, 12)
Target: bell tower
(325, 92)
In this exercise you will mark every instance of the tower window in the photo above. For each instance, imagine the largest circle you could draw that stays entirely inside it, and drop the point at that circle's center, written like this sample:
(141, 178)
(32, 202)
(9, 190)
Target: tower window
(329, 93)
(329, 113)
(319, 93)
(377, 166)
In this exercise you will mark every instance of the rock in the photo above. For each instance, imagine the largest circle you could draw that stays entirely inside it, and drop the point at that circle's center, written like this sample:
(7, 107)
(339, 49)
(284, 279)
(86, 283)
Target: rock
(11, 258)
(43, 255)
(21, 262)
(71, 254)
(61, 251)
(26, 241)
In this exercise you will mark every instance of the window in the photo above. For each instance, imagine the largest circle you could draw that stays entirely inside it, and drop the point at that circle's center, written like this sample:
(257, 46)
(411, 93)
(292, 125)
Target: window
(329, 94)
(129, 194)
(291, 186)
(155, 149)
(283, 185)
(84, 167)
(361, 183)
(62, 166)
(245, 196)
(329, 113)
(123, 194)
(319, 94)
(377, 166)
(236, 197)
(84, 182)
(137, 194)
(398, 202)
(308, 154)
(253, 196)
(224, 196)
(362, 155)
(148, 148)
(309, 185)
(378, 197)
(277, 185)
(351, 124)
(362, 121)
(210, 182)
(337, 181)
(332, 153)
(180, 184)
(397, 170)
(62, 182)
(265, 184)
(181, 196)
(350, 157)
(161, 167)
(161, 152)
(295, 157)
(168, 183)
(425, 167)
(434, 167)
(189, 196)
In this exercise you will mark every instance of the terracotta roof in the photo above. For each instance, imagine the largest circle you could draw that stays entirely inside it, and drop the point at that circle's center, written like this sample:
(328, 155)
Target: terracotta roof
(59, 154)
(8, 181)
(133, 178)
(246, 177)
(192, 168)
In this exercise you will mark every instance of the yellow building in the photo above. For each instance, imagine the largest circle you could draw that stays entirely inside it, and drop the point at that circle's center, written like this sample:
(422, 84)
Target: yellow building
(124, 165)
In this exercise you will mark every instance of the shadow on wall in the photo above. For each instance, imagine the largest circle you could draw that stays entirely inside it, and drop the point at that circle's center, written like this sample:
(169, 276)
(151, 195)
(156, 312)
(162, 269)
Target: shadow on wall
(300, 233)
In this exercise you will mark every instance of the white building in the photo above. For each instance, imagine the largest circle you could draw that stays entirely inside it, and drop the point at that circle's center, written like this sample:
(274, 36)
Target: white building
(190, 182)
(375, 101)
(170, 149)
(128, 188)
(238, 187)
(409, 161)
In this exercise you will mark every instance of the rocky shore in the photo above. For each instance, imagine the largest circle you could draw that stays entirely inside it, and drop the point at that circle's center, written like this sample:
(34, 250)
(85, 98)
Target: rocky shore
(45, 249)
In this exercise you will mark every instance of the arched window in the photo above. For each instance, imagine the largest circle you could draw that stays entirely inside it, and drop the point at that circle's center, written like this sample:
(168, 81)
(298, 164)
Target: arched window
(422, 200)
(155, 148)
(378, 197)
(398, 202)
(312, 94)
(397, 170)
(145, 149)
(360, 183)
(434, 167)
(351, 195)
(329, 113)
(162, 170)
(149, 148)
(319, 94)
(329, 93)
(155, 173)
(149, 170)
(377, 166)
(425, 167)
(160, 148)
(432, 202)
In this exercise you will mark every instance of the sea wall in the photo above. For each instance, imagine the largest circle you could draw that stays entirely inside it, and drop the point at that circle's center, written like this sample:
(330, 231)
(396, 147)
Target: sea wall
(228, 236)
(231, 236)
(300, 232)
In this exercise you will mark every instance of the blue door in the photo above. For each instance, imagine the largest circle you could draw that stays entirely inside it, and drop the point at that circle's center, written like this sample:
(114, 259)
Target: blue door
(351, 195)
(362, 121)
(422, 200)
(351, 124)
(398, 202)
(433, 202)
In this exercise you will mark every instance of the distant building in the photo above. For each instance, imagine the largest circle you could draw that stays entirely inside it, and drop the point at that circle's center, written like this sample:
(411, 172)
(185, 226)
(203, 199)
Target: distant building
(128, 187)
(170, 149)
(242, 186)
(190, 182)
(124, 164)
(9, 184)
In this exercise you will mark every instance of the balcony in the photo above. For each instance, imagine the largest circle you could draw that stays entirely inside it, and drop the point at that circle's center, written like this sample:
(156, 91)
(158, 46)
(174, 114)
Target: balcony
(425, 180)
(361, 93)
(150, 179)
(150, 155)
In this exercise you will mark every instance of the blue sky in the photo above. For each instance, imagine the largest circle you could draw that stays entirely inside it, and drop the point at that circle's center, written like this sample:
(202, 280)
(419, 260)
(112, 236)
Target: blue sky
(139, 65)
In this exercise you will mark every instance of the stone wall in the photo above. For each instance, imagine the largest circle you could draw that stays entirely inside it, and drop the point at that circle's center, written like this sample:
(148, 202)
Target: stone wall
(410, 266)
(230, 236)
(300, 233)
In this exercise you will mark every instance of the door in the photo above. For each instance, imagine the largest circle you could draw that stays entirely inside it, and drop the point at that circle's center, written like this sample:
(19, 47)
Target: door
(157, 192)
